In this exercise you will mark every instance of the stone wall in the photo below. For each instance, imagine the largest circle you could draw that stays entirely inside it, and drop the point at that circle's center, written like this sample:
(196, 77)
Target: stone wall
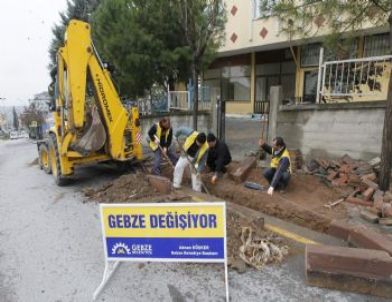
(332, 130)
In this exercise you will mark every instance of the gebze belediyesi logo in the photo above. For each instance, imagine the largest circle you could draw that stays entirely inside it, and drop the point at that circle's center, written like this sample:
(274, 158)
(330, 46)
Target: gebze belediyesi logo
(121, 249)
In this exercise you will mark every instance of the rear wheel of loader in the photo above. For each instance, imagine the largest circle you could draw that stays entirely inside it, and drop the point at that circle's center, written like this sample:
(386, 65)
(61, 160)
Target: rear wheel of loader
(54, 159)
(43, 159)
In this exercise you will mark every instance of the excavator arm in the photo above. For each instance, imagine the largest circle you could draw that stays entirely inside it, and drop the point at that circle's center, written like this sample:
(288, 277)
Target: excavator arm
(79, 62)
(90, 122)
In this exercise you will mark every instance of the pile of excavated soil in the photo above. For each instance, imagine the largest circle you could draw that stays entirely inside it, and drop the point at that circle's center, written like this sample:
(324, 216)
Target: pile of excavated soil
(126, 188)
(302, 202)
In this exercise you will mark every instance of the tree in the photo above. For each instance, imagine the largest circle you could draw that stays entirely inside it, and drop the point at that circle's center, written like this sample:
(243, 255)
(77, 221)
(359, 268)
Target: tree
(143, 41)
(344, 19)
(15, 119)
(76, 9)
(202, 23)
(31, 114)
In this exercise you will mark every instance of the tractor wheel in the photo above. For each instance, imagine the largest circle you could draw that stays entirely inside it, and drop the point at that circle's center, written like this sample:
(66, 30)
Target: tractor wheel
(54, 158)
(43, 159)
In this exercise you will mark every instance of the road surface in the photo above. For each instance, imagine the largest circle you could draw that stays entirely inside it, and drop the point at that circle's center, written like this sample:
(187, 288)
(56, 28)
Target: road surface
(51, 250)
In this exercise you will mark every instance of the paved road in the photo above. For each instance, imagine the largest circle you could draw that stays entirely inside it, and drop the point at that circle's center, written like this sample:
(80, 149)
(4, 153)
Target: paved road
(51, 250)
(242, 135)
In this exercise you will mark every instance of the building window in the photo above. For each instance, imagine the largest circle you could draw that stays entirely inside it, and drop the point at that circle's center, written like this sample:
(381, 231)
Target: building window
(272, 74)
(310, 86)
(236, 83)
(211, 84)
(262, 8)
(310, 55)
(377, 45)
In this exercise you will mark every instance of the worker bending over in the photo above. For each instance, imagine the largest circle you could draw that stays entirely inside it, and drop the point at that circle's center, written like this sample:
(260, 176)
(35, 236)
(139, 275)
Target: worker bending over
(160, 138)
(279, 174)
(195, 155)
(218, 157)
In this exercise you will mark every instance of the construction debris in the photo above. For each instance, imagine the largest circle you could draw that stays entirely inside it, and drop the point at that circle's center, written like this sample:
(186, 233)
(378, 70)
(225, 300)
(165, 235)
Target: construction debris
(258, 251)
(360, 177)
(295, 159)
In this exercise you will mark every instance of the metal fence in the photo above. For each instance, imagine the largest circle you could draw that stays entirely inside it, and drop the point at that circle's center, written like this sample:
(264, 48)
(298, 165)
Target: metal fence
(356, 78)
(179, 100)
(183, 100)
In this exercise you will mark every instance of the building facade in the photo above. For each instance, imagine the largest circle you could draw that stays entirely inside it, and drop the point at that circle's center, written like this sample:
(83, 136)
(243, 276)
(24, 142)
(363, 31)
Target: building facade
(256, 56)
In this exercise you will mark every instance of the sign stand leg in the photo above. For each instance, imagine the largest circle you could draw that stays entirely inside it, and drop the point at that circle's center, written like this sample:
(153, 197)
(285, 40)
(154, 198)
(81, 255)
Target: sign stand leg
(107, 274)
(227, 281)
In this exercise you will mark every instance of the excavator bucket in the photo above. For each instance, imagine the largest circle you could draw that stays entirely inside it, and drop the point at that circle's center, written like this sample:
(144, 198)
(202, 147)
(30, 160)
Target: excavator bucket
(94, 138)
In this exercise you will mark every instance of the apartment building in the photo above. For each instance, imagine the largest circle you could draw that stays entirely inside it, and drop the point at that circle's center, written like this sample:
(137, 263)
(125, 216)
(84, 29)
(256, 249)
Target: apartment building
(257, 55)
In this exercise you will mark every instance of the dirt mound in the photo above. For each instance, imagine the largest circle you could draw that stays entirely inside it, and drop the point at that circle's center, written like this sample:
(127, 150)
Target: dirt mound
(126, 188)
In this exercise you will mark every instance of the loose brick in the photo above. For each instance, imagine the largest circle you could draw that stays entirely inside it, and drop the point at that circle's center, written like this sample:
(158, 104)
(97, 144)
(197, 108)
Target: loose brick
(161, 184)
(366, 238)
(368, 194)
(332, 175)
(369, 216)
(339, 229)
(358, 201)
(354, 179)
(386, 210)
(341, 181)
(374, 211)
(241, 173)
(378, 202)
(370, 183)
(388, 197)
(371, 176)
(385, 221)
(349, 269)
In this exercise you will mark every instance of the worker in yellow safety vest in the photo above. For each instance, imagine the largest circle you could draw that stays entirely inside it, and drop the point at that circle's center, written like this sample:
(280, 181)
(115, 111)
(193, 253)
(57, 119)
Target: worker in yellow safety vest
(278, 175)
(195, 148)
(160, 138)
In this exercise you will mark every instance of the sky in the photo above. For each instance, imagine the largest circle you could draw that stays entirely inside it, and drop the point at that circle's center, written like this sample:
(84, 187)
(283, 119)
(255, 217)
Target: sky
(25, 35)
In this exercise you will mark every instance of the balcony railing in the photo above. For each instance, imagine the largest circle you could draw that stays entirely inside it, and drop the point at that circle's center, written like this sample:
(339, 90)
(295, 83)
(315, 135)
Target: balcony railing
(356, 79)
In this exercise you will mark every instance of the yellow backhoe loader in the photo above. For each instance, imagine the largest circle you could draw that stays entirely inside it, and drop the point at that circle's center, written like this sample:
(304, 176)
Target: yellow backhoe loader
(90, 122)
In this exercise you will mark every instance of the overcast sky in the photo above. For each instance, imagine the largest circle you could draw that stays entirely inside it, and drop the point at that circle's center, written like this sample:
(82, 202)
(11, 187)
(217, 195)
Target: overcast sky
(25, 35)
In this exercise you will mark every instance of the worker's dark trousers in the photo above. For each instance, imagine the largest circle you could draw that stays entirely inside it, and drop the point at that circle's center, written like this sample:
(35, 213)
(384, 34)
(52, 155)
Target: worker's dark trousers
(282, 182)
(212, 167)
(156, 168)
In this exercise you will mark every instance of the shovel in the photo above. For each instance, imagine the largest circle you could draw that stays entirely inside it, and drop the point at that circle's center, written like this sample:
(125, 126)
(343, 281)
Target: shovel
(164, 154)
(262, 152)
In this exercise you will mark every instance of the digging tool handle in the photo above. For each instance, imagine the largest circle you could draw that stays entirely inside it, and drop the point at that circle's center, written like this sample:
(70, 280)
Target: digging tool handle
(192, 167)
(164, 154)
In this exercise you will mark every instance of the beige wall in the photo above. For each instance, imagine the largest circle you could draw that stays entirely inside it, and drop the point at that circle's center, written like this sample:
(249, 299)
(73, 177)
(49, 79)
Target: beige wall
(239, 107)
(248, 30)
